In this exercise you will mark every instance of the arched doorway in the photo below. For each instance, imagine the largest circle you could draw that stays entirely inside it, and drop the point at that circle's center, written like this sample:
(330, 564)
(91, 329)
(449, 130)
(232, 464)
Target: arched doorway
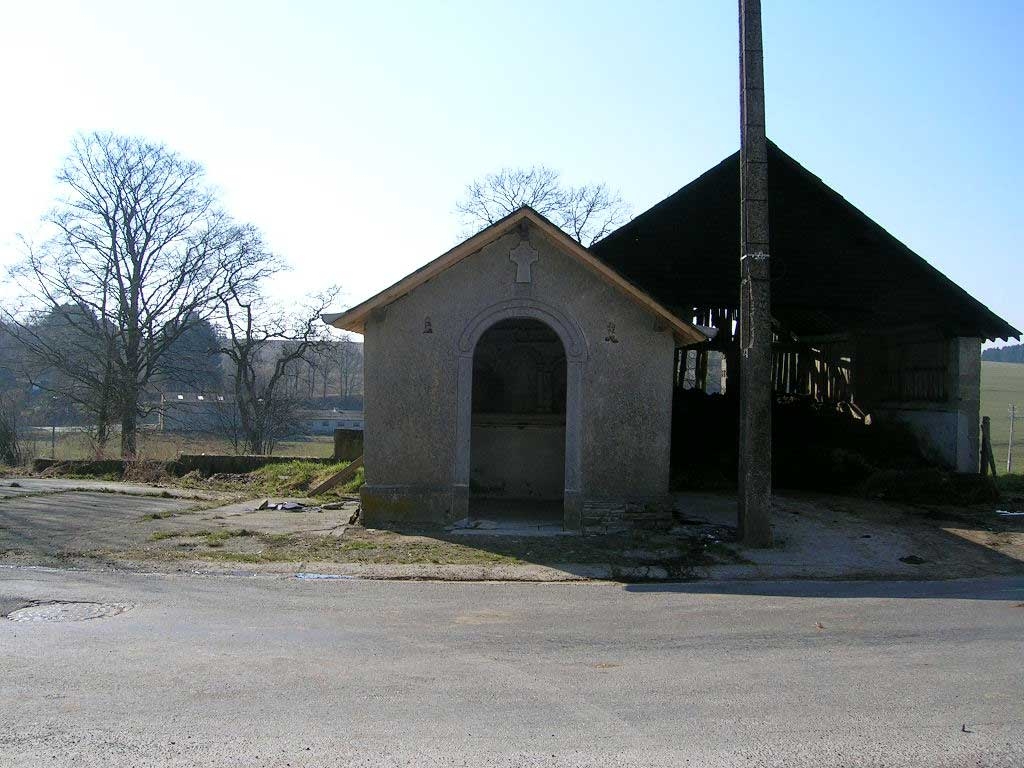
(575, 345)
(517, 434)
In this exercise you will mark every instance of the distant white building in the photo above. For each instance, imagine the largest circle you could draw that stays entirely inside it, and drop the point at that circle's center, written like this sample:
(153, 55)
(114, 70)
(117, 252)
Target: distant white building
(325, 422)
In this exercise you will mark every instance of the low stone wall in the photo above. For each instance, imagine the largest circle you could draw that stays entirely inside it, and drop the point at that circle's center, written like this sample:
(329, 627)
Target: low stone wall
(518, 460)
(206, 464)
(600, 517)
(348, 444)
(211, 464)
(81, 467)
(385, 505)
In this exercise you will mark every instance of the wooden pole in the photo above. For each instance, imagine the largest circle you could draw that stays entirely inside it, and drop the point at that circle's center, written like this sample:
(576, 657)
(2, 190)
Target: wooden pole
(1009, 448)
(755, 448)
(988, 459)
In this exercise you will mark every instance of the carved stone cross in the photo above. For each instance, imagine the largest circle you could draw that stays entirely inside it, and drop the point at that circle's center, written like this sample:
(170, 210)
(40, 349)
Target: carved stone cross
(524, 255)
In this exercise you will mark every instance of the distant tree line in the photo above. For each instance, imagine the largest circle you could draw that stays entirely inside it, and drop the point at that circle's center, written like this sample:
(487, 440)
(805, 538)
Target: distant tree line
(144, 284)
(1013, 353)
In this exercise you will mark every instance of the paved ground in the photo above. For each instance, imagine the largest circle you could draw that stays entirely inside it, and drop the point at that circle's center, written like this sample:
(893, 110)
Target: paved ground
(821, 536)
(100, 524)
(21, 486)
(273, 671)
(54, 521)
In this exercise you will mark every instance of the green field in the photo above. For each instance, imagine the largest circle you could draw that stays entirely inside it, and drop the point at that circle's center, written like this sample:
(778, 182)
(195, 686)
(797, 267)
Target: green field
(1002, 384)
(161, 446)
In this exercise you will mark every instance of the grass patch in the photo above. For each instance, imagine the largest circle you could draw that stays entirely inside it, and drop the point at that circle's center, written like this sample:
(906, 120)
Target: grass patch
(294, 475)
(357, 544)
(166, 446)
(394, 549)
(162, 535)
(284, 478)
(227, 533)
(428, 546)
(278, 539)
(1010, 485)
(413, 547)
(353, 485)
(157, 516)
(214, 539)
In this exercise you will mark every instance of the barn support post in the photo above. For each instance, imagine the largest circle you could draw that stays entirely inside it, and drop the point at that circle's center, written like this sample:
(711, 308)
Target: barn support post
(755, 434)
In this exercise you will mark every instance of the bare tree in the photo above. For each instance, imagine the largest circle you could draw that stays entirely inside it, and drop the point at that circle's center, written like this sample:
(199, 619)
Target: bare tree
(336, 371)
(141, 250)
(228, 423)
(265, 400)
(587, 213)
(349, 357)
(11, 452)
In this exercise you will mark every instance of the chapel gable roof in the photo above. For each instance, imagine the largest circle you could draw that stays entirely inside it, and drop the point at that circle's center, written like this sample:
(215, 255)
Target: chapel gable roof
(834, 270)
(355, 319)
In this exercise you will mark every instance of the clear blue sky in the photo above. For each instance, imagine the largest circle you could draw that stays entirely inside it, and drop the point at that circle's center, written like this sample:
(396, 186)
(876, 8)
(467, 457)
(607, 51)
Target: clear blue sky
(346, 131)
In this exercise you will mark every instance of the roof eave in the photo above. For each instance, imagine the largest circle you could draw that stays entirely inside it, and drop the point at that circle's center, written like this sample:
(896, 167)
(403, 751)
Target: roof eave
(354, 320)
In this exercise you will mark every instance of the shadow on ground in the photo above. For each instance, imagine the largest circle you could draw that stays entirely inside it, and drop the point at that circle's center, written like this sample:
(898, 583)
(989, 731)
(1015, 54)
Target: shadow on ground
(1007, 588)
(815, 536)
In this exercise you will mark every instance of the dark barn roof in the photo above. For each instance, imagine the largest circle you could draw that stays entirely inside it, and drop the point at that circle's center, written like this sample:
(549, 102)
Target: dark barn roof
(833, 269)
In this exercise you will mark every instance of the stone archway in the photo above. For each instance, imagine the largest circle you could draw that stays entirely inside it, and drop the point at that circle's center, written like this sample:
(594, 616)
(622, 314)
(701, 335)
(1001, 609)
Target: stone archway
(574, 344)
(517, 440)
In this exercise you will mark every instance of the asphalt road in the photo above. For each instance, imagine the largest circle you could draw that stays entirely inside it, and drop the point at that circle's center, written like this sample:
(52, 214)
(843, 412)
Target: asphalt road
(264, 671)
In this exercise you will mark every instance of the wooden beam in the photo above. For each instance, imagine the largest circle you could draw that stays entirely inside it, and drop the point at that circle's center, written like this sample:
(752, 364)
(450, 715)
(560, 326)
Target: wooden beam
(338, 478)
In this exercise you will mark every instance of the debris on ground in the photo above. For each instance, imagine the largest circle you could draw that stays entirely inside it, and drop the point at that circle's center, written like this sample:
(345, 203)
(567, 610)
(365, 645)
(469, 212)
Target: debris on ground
(322, 576)
(466, 524)
(913, 560)
(286, 506)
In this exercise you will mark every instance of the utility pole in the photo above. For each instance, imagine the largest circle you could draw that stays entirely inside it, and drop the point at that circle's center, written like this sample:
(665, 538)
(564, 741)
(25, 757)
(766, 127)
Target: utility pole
(755, 446)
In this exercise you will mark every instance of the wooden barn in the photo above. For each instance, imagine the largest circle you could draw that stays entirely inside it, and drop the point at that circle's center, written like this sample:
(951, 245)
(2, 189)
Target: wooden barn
(862, 325)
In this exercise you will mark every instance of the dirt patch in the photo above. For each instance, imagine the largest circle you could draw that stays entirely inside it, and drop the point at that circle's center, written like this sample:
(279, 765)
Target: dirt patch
(937, 541)
(676, 554)
(815, 537)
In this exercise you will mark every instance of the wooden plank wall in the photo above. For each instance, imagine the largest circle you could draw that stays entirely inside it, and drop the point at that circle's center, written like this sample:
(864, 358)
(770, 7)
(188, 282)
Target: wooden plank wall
(823, 373)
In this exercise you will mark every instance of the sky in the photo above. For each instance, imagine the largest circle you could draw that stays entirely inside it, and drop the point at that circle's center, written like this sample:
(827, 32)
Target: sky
(347, 131)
